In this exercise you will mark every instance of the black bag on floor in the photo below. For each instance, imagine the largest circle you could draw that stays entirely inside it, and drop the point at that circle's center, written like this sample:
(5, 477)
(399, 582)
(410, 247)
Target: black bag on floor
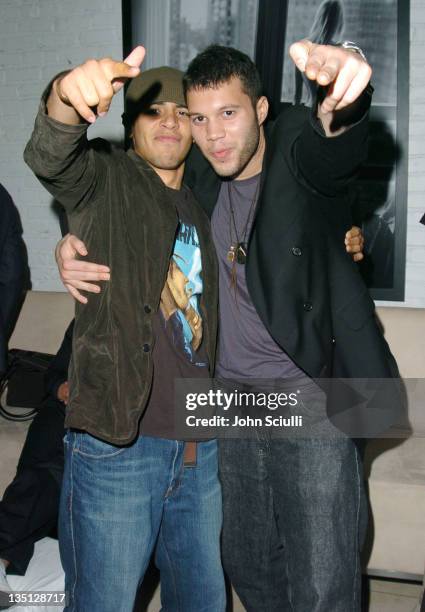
(23, 383)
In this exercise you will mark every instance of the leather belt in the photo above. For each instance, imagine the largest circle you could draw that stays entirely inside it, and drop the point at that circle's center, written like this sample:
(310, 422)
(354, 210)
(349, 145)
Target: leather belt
(189, 456)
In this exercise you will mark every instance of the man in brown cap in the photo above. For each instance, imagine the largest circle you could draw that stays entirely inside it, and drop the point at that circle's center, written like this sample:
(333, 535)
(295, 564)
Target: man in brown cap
(130, 487)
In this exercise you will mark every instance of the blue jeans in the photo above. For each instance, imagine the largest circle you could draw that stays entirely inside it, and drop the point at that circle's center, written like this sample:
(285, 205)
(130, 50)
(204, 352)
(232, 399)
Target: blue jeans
(294, 518)
(119, 503)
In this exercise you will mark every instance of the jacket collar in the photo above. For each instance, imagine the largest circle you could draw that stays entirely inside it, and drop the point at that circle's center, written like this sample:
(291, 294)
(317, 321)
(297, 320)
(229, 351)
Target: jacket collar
(145, 169)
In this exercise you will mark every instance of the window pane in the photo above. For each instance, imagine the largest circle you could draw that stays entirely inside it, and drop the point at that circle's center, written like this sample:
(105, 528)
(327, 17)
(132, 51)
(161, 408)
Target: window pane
(174, 31)
(372, 24)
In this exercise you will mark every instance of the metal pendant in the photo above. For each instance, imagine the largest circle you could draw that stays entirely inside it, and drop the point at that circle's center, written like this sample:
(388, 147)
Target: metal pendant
(231, 253)
(241, 251)
(237, 252)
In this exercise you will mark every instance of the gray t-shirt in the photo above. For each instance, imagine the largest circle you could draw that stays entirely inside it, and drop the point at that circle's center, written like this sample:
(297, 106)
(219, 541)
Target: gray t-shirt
(245, 347)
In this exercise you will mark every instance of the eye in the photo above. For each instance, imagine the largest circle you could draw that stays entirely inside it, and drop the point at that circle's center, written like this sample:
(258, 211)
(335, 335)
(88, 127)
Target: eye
(153, 111)
(183, 113)
(198, 120)
(229, 113)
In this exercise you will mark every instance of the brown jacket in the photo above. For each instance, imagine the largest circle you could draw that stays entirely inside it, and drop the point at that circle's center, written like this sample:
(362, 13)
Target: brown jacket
(119, 206)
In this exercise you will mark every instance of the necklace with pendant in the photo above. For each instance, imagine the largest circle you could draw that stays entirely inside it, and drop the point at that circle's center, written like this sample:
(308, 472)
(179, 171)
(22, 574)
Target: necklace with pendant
(238, 249)
(237, 253)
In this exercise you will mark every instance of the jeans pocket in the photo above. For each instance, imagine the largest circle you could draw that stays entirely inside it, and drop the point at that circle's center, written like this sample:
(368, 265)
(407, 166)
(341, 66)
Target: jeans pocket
(89, 446)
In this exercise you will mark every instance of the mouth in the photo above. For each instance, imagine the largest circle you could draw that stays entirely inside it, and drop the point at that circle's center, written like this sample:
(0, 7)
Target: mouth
(221, 154)
(168, 139)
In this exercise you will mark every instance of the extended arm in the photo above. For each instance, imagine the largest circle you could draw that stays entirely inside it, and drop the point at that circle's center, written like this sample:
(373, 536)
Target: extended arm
(344, 76)
(330, 148)
(58, 151)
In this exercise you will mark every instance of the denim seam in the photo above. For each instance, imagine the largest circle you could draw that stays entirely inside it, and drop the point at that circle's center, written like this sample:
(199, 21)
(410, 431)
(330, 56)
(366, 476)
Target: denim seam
(161, 537)
(284, 542)
(170, 488)
(71, 499)
(357, 527)
(114, 454)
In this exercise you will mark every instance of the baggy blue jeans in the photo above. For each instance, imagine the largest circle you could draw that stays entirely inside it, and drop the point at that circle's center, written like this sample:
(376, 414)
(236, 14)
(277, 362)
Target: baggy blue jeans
(119, 503)
(294, 519)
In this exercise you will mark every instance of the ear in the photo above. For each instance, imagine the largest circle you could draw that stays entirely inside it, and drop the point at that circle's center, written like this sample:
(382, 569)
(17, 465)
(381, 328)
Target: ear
(262, 109)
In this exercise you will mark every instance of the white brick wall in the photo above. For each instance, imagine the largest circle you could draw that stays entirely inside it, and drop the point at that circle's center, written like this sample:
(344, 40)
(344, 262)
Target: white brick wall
(39, 38)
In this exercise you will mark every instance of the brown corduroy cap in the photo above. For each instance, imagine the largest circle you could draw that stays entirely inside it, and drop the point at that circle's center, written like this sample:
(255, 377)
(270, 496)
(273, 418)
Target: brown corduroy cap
(162, 84)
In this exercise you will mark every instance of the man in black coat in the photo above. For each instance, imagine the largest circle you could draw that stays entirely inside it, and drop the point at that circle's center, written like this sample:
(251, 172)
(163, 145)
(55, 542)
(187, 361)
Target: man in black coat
(30, 505)
(13, 271)
(292, 305)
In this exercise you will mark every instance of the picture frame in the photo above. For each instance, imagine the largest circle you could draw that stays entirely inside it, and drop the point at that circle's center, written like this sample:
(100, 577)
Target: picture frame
(378, 197)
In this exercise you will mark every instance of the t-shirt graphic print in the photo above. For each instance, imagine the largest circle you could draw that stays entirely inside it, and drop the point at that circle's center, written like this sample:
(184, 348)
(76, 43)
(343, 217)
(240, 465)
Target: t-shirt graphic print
(180, 297)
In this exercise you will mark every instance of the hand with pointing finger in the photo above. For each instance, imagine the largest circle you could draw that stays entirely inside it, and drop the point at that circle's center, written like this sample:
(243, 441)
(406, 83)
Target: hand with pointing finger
(88, 89)
(343, 71)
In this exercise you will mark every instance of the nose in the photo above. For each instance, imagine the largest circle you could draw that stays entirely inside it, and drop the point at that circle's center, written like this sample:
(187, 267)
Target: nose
(215, 130)
(169, 119)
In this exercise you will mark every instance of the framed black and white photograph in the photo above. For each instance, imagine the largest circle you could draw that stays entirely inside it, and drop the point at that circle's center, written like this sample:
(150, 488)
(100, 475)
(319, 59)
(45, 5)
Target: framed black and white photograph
(381, 29)
(174, 31)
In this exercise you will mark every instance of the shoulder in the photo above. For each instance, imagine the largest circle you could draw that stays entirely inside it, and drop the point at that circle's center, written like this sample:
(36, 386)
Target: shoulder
(5, 199)
(112, 158)
(290, 122)
(105, 148)
(9, 214)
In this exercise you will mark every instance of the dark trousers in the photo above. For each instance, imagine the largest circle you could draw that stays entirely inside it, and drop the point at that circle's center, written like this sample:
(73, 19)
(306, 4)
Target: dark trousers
(30, 505)
(294, 519)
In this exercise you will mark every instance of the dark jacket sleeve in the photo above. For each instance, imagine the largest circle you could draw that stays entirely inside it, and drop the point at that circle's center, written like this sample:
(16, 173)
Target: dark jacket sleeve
(64, 161)
(57, 372)
(13, 270)
(325, 164)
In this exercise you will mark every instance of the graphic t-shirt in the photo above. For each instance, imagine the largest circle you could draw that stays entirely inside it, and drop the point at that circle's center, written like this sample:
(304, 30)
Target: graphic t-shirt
(179, 350)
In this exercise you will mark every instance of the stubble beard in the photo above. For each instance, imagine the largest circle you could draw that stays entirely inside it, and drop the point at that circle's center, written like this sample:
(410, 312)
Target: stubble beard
(249, 148)
(167, 162)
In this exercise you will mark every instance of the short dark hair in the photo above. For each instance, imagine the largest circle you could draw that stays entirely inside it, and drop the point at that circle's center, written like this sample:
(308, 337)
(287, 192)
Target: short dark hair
(216, 65)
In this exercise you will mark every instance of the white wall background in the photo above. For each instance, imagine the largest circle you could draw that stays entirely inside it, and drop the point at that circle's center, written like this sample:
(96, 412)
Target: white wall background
(415, 254)
(38, 38)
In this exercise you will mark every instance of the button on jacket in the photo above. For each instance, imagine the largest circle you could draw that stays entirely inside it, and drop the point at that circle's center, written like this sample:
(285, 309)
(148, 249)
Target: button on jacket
(118, 205)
